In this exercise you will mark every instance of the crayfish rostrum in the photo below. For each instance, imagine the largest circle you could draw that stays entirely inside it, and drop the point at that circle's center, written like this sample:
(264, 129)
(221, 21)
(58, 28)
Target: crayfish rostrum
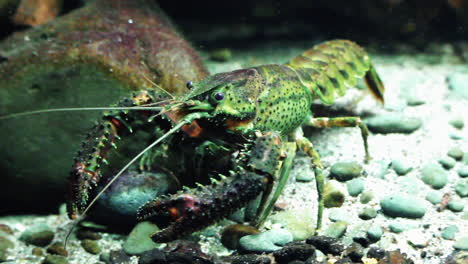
(254, 116)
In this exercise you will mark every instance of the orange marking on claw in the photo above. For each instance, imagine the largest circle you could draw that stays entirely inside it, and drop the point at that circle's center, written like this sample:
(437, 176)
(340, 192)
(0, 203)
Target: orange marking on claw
(174, 212)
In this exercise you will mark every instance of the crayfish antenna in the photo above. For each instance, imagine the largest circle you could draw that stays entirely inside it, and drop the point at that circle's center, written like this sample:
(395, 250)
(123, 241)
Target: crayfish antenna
(85, 211)
(157, 86)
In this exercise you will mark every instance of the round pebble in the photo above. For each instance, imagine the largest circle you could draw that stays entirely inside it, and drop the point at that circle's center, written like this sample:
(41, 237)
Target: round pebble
(455, 153)
(368, 213)
(268, 241)
(456, 206)
(393, 123)
(336, 215)
(139, 239)
(457, 122)
(400, 167)
(55, 259)
(400, 205)
(449, 232)
(231, 234)
(91, 246)
(38, 235)
(57, 248)
(447, 162)
(366, 197)
(463, 172)
(355, 186)
(455, 136)
(417, 239)
(398, 226)
(345, 171)
(462, 188)
(461, 243)
(374, 233)
(336, 229)
(434, 197)
(434, 175)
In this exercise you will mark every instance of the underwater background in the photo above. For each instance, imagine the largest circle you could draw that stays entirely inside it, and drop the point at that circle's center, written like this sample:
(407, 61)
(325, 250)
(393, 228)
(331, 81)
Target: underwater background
(406, 205)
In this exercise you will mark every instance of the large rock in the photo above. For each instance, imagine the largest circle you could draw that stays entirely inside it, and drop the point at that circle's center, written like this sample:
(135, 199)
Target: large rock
(90, 57)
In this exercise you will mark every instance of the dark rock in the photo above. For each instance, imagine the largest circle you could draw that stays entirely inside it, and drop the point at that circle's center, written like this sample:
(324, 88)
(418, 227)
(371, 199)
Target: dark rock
(57, 248)
(231, 234)
(184, 251)
(55, 259)
(294, 251)
(327, 245)
(152, 256)
(250, 259)
(376, 252)
(345, 260)
(38, 235)
(91, 246)
(90, 57)
(355, 252)
(118, 257)
(87, 234)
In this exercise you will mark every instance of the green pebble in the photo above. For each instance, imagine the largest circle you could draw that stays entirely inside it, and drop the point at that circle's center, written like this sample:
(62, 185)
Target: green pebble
(91, 246)
(336, 215)
(345, 171)
(401, 205)
(463, 172)
(366, 197)
(401, 168)
(221, 55)
(457, 122)
(462, 188)
(355, 186)
(268, 241)
(368, 213)
(449, 232)
(456, 206)
(455, 136)
(332, 197)
(434, 197)
(336, 229)
(55, 259)
(38, 235)
(374, 233)
(447, 162)
(139, 239)
(398, 227)
(434, 175)
(393, 123)
(455, 153)
(414, 101)
(302, 170)
(461, 243)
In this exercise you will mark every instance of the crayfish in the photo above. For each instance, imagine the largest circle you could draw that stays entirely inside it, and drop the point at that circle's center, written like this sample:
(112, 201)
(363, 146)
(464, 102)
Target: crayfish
(253, 116)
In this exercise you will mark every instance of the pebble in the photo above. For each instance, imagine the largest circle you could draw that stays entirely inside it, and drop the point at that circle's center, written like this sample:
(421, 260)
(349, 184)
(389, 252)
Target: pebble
(268, 241)
(38, 235)
(87, 234)
(414, 101)
(455, 136)
(376, 253)
(250, 259)
(434, 197)
(417, 239)
(232, 233)
(374, 233)
(37, 252)
(55, 259)
(332, 196)
(398, 226)
(457, 83)
(434, 175)
(463, 171)
(139, 239)
(91, 246)
(57, 248)
(7, 229)
(457, 122)
(297, 221)
(455, 153)
(449, 232)
(401, 205)
(327, 245)
(355, 186)
(336, 229)
(294, 251)
(152, 256)
(456, 205)
(393, 123)
(366, 197)
(401, 167)
(461, 188)
(336, 215)
(345, 171)
(368, 213)
(5, 244)
(447, 162)
(302, 170)
(461, 243)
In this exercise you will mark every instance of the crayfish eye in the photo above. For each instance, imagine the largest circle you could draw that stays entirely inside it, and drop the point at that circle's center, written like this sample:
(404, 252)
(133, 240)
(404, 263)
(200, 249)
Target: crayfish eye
(189, 84)
(219, 96)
